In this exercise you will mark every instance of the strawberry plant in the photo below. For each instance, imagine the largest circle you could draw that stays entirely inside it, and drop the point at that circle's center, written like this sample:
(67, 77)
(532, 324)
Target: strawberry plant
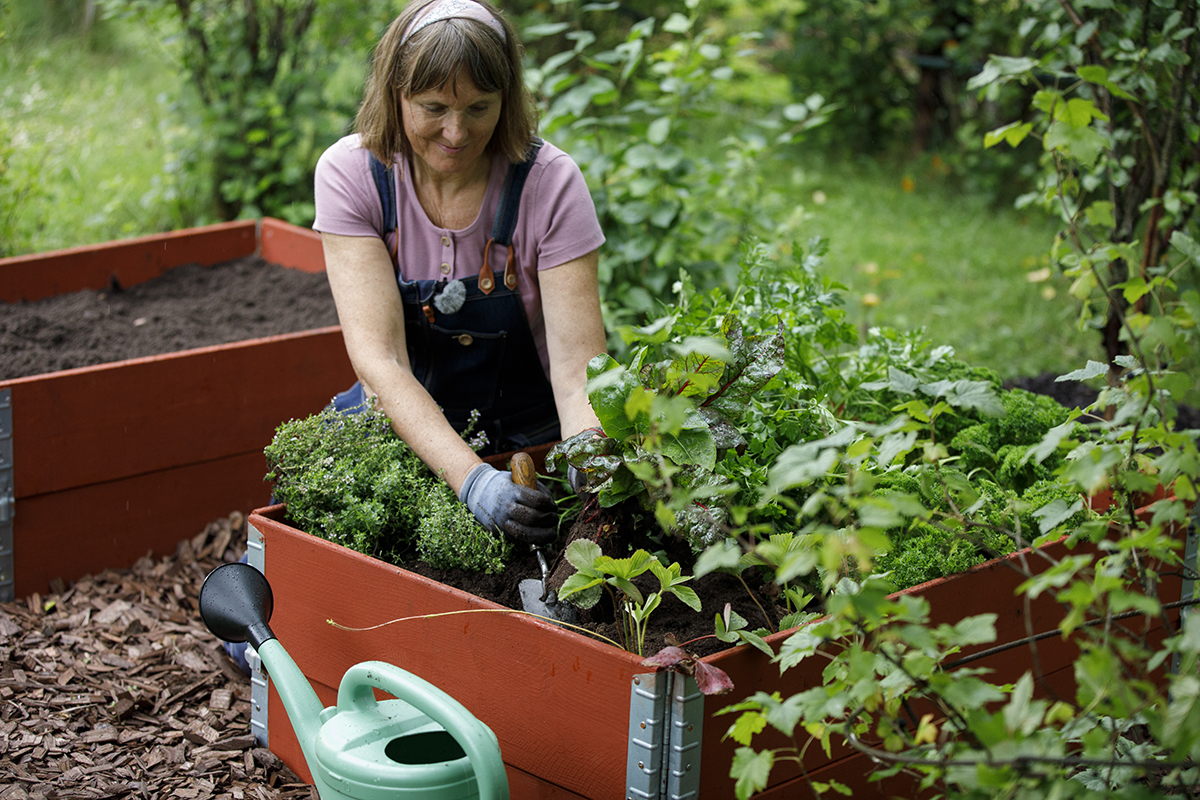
(596, 571)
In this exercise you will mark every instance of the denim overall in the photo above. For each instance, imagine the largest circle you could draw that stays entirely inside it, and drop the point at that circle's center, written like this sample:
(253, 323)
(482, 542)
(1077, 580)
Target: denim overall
(482, 356)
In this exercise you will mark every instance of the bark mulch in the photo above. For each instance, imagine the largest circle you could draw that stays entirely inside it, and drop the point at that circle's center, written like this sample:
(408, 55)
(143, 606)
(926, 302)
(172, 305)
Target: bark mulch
(113, 688)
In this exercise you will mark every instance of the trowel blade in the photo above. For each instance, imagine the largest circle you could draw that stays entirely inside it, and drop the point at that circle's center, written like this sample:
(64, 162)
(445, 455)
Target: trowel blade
(531, 601)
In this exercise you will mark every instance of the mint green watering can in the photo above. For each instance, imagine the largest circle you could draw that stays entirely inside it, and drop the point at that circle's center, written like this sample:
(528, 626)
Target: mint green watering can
(424, 744)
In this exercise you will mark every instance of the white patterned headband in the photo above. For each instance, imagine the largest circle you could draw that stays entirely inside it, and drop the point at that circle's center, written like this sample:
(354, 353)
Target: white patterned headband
(456, 9)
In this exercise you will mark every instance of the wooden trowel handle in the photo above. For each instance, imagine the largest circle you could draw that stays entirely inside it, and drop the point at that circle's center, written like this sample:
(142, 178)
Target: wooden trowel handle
(522, 471)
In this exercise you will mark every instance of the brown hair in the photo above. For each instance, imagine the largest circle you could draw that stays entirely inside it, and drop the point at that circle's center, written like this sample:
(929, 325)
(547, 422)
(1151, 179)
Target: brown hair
(431, 58)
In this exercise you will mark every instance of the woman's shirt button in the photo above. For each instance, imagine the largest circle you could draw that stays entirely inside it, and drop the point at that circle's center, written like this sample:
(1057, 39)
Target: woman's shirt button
(445, 241)
(445, 269)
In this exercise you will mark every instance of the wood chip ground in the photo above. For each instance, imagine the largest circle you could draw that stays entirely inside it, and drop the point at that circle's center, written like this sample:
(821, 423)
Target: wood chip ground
(113, 688)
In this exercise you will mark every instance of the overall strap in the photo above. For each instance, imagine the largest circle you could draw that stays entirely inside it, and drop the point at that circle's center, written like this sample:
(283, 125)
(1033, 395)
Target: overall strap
(505, 223)
(386, 186)
(503, 227)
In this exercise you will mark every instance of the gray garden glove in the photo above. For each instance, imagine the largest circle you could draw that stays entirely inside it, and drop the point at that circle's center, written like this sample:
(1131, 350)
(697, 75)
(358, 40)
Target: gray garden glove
(500, 505)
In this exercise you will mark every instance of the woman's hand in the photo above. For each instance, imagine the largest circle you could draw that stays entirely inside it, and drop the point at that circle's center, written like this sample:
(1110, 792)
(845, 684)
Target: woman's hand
(527, 515)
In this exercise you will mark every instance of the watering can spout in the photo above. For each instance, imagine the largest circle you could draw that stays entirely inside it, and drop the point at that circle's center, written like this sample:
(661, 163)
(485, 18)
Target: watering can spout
(424, 744)
(236, 603)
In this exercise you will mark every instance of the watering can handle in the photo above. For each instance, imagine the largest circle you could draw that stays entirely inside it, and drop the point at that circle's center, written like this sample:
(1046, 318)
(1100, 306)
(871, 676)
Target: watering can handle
(475, 738)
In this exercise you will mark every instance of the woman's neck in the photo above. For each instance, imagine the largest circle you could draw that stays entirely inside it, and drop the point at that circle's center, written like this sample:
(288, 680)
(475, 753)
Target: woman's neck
(451, 200)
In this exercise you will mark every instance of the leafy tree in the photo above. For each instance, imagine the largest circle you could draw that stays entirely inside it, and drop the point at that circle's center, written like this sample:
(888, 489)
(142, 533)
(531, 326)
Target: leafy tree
(1115, 104)
(896, 70)
(261, 70)
(635, 115)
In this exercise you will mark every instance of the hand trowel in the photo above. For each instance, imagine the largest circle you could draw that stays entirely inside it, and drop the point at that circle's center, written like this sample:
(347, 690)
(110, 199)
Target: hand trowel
(535, 597)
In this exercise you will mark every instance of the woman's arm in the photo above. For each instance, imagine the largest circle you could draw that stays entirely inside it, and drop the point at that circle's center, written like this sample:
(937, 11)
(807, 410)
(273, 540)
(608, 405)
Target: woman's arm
(372, 317)
(574, 335)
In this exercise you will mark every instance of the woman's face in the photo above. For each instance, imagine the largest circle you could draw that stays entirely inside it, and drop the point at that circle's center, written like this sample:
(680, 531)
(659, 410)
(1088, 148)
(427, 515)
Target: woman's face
(449, 128)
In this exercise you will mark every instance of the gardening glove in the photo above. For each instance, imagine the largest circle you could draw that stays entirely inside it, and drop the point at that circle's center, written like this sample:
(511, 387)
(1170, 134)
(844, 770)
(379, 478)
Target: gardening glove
(500, 505)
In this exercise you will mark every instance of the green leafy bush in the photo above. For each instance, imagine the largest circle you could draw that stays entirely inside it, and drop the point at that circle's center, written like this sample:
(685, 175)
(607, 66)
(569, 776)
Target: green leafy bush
(16, 186)
(260, 72)
(637, 114)
(351, 480)
(1113, 98)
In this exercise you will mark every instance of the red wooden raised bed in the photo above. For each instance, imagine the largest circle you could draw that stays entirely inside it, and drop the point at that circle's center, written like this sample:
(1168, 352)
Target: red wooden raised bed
(111, 461)
(558, 700)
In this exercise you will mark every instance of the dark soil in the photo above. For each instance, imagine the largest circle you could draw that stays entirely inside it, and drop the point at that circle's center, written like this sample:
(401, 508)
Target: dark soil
(671, 622)
(189, 306)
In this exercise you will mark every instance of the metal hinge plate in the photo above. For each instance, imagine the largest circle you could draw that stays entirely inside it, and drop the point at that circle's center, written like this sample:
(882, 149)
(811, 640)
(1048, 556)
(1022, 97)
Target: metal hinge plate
(260, 683)
(666, 722)
(8, 499)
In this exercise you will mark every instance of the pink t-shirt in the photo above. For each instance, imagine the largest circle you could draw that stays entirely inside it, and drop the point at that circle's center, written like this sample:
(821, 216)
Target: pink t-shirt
(556, 222)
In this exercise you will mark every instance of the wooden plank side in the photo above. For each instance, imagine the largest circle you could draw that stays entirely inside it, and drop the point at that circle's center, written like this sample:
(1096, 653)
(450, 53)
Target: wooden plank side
(86, 530)
(130, 261)
(291, 246)
(97, 424)
(515, 673)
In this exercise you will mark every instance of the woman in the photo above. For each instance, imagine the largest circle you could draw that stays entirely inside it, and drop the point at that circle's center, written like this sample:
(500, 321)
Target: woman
(440, 317)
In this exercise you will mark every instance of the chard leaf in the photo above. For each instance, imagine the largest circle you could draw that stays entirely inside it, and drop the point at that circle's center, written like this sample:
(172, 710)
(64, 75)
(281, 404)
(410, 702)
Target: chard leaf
(697, 370)
(609, 388)
(620, 486)
(725, 434)
(752, 365)
(586, 450)
(691, 446)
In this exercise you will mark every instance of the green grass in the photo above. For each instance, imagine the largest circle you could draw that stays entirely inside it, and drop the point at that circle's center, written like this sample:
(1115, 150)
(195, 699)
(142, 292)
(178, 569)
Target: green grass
(94, 132)
(915, 251)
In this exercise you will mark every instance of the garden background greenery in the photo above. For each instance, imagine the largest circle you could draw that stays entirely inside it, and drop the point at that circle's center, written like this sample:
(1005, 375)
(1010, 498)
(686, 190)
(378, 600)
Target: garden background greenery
(883, 208)
(106, 135)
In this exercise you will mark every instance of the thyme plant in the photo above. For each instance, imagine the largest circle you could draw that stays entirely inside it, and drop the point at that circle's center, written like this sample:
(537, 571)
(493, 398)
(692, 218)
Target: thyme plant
(350, 479)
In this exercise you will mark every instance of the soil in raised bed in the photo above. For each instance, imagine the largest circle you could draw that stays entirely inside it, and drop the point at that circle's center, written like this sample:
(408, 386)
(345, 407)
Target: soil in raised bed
(186, 307)
(672, 622)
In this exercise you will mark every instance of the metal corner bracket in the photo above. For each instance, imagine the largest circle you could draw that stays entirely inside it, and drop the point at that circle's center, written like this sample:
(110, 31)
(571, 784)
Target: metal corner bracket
(1191, 568)
(8, 500)
(260, 683)
(666, 722)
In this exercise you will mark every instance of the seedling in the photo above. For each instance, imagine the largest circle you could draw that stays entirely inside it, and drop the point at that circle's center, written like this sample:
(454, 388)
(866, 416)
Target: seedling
(732, 627)
(596, 573)
(787, 557)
